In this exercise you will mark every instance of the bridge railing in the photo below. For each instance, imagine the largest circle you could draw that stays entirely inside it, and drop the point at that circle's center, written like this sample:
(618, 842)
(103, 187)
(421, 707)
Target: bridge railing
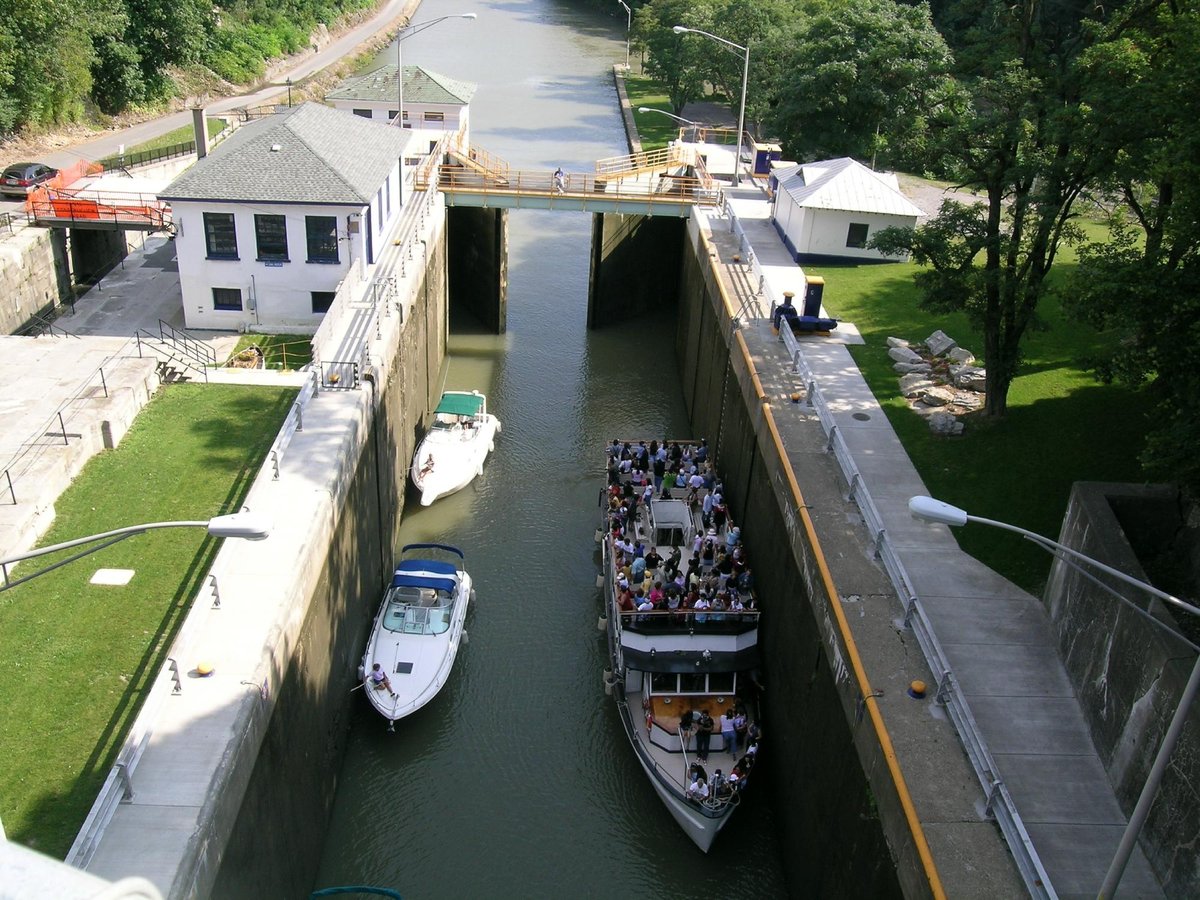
(56, 206)
(659, 188)
(999, 803)
(633, 163)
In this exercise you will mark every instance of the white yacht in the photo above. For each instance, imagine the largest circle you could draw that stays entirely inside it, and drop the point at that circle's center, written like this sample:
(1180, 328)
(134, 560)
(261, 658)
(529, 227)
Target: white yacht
(459, 439)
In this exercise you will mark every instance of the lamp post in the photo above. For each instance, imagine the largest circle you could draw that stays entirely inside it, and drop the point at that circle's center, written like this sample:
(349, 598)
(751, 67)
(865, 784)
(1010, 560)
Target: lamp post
(289, 87)
(406, 32)
(931, 510)
(628, 26)
(243, 525)
(695, 126)
(737, 163)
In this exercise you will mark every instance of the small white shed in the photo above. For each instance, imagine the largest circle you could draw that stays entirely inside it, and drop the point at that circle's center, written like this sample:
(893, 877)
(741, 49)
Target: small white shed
(829, 209)
(431, 100)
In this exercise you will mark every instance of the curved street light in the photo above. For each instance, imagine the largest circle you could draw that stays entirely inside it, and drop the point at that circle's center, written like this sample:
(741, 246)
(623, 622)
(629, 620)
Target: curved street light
(628, 26)
(406, 32)
(244, 525)
(930, 510)
(663, 112)
(737, 163)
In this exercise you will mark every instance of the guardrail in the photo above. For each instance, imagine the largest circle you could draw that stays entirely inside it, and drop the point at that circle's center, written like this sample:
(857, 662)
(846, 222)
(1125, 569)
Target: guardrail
(658, 189)
(143, 157)
(999, 802)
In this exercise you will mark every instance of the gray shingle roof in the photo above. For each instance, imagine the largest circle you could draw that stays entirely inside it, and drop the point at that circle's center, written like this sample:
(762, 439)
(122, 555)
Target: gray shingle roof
(420, 86)
(320, 155)
(845, 184)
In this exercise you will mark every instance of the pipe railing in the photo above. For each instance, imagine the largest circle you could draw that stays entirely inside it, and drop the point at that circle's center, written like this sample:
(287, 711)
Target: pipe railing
(676, 189)
(998, 801)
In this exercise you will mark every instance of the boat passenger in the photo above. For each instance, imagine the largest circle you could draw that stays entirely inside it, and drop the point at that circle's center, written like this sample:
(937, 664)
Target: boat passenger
(698, 790)
(644, 607)
(728, 732)
(378, 679)
(427, 466)
(637, 571)
(704, 730)
(701, 607)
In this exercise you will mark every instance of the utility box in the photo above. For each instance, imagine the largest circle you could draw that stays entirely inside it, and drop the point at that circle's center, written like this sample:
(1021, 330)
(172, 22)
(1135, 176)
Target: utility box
(763, 155)
(814, 290)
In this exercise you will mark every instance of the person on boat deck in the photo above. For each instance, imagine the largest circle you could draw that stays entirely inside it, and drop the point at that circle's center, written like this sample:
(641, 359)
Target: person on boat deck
(668, 483)
(637, 571)
(656, 595)
(644, 606)
(625, 601)
(706, 507)
(427, 466)
(698, 790)
(704, 730)
(729, 732)
(660, 468)
(653, 560)
(732, 536)
(379, 680)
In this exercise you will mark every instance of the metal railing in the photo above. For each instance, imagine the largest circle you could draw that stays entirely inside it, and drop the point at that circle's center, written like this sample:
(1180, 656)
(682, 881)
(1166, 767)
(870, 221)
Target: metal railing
(143, 157)
(615, 167)
(998, 801)
(187, 343)
(169, 357)
(675, 189)
(39, 325)
(46, 206)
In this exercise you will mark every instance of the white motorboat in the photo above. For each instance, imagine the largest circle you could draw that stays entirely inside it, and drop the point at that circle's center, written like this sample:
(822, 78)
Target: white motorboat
(417, 632)
(670, 664)
(459, 439)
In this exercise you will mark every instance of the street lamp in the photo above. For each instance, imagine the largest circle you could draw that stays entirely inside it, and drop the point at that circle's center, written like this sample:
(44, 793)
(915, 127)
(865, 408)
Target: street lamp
(737, 164)
(931, 510)
(406, 32)
(695, 126)
(628, 26)
(244, 525)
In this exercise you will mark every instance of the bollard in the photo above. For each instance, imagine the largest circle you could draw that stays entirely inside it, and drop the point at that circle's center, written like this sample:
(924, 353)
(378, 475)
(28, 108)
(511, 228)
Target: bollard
(602, 623)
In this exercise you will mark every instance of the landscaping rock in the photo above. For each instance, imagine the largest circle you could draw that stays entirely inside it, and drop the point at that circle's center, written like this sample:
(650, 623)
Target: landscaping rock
(897, 342)
(944, 423)
(904, 355)
(969, 378)
(961, 356)
(938, 396)
(968, 401)
(939, 344)
(908, 368)
(915, 384)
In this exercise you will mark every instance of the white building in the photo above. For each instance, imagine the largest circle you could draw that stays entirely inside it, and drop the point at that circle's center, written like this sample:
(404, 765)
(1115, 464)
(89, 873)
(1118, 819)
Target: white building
(271, 222)
(431, 100)
(830, 209)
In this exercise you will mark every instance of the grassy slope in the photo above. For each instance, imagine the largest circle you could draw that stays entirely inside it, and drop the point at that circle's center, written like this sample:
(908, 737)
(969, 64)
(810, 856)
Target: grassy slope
(75, 658)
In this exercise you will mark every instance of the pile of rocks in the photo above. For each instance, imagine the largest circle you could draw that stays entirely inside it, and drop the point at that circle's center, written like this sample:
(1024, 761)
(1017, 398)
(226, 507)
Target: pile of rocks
(939, 379)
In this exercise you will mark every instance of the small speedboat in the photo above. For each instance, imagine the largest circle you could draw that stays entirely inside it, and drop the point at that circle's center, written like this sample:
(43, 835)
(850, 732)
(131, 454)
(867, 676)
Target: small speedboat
(461, 436)
(417, 631)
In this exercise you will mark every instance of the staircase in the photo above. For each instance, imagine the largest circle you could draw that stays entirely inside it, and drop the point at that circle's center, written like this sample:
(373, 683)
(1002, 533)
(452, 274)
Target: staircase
(614, 168)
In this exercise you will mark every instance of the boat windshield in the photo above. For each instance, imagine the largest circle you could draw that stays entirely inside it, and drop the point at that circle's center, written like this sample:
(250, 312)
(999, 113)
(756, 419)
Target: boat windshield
(413, 610)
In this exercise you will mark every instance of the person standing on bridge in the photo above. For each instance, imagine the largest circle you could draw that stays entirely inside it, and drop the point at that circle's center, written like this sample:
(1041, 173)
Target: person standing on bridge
(560, 181)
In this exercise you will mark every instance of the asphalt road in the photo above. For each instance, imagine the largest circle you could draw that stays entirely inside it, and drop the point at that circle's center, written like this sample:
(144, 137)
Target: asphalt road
(111, 142)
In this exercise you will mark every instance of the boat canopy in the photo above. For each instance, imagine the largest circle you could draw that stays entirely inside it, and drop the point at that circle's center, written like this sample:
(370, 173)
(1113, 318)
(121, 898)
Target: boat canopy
(460, 404)
(426, 573)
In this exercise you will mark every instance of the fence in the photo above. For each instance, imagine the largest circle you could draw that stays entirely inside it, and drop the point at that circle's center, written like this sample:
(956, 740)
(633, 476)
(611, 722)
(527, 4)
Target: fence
(143, 157)
(999, 803)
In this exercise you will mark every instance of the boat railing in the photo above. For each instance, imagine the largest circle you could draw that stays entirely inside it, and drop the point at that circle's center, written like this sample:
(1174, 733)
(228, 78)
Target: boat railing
(672, 619)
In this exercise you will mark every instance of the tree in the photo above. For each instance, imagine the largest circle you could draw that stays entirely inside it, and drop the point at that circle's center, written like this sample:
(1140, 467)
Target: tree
(1020, 135)
(1145, 280)
(860, 79)
(678, 63)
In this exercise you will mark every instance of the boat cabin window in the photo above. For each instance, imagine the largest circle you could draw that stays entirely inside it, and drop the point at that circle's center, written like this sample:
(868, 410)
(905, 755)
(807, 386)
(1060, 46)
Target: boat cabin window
(693, 683)
(413, 610)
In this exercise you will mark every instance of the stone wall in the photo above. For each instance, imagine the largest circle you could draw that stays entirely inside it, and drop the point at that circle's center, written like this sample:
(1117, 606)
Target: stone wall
(34, 275)
(1129, 672)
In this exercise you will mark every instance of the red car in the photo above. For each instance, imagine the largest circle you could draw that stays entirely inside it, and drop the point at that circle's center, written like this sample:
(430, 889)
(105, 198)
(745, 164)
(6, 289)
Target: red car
(18, 180)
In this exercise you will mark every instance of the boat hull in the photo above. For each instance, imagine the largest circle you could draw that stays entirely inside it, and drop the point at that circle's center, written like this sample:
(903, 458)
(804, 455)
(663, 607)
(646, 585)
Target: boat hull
(453, 451)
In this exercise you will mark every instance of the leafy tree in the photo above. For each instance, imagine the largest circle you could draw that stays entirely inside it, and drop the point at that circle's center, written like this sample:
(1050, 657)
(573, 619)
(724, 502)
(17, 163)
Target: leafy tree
(1145, 281)
(680, 64)
(1020, 135)
(861, 79)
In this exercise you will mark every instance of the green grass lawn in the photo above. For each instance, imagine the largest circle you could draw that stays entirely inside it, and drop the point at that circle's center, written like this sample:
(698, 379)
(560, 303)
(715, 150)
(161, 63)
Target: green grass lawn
(654, 130)
(76, 658)
(178, 136)
(1063, 425)
(280, 351)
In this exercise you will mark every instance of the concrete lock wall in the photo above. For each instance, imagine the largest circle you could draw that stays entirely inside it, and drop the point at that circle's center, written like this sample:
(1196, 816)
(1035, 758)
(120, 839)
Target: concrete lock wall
(34, 275)
(95, 252)
(275, 844)
(1128, 672)
(843, 833)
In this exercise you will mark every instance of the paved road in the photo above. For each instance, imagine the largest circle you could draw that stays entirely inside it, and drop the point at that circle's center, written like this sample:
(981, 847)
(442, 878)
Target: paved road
(111, 142)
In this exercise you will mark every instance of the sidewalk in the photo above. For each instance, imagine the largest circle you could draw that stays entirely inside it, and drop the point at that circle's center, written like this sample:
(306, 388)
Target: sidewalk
(997, 637)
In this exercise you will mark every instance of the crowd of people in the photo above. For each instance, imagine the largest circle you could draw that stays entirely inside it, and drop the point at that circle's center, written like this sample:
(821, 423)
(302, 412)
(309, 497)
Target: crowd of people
(715, 584)
(736, 731)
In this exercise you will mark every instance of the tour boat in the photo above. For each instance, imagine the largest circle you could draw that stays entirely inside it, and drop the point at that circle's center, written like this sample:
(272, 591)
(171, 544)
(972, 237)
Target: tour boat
(417, 631)
(669, 663)
(458, 441)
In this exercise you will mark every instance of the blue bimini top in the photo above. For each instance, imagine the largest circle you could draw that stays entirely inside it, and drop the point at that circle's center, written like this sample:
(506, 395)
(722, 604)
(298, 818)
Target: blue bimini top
(426, 573)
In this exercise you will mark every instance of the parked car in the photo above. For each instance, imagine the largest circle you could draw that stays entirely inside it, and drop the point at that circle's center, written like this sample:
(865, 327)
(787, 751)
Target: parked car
(18, 180)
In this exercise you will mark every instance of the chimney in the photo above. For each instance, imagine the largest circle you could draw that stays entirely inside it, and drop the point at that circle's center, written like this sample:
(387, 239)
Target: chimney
(201, 129)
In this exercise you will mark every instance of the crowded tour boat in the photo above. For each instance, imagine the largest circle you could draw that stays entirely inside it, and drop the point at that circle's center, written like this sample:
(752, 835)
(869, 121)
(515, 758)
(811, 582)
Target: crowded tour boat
(417, 631)
(459, 439)
(682, 626)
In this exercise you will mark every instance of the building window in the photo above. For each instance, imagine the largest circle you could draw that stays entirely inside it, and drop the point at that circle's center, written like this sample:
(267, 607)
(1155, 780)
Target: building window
(271, 234)
(435, 117)
(322, 238)
(227, 299)
(365, 113)
(387, 193)
(322, 300)
(392, 113)
(220, 237)
(857, 236)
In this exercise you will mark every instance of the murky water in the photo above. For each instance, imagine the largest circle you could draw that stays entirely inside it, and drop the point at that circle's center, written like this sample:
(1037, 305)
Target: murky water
(517, 779)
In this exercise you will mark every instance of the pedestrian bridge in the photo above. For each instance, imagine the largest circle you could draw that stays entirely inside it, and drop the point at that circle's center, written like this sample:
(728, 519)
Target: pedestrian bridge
(667, 182)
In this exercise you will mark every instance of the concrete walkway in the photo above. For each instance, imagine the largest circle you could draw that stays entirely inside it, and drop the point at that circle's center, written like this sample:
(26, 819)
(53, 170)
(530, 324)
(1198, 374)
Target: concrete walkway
(997, 637)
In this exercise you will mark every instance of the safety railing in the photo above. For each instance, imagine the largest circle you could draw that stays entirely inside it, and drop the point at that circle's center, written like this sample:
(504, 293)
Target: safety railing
(674, 189)
(39, 325)
(47, 206)
(144, 157)
(615, 167)
(478, 159)
(293, 424)
(171, 360)
(998, 801)
(187, 343)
